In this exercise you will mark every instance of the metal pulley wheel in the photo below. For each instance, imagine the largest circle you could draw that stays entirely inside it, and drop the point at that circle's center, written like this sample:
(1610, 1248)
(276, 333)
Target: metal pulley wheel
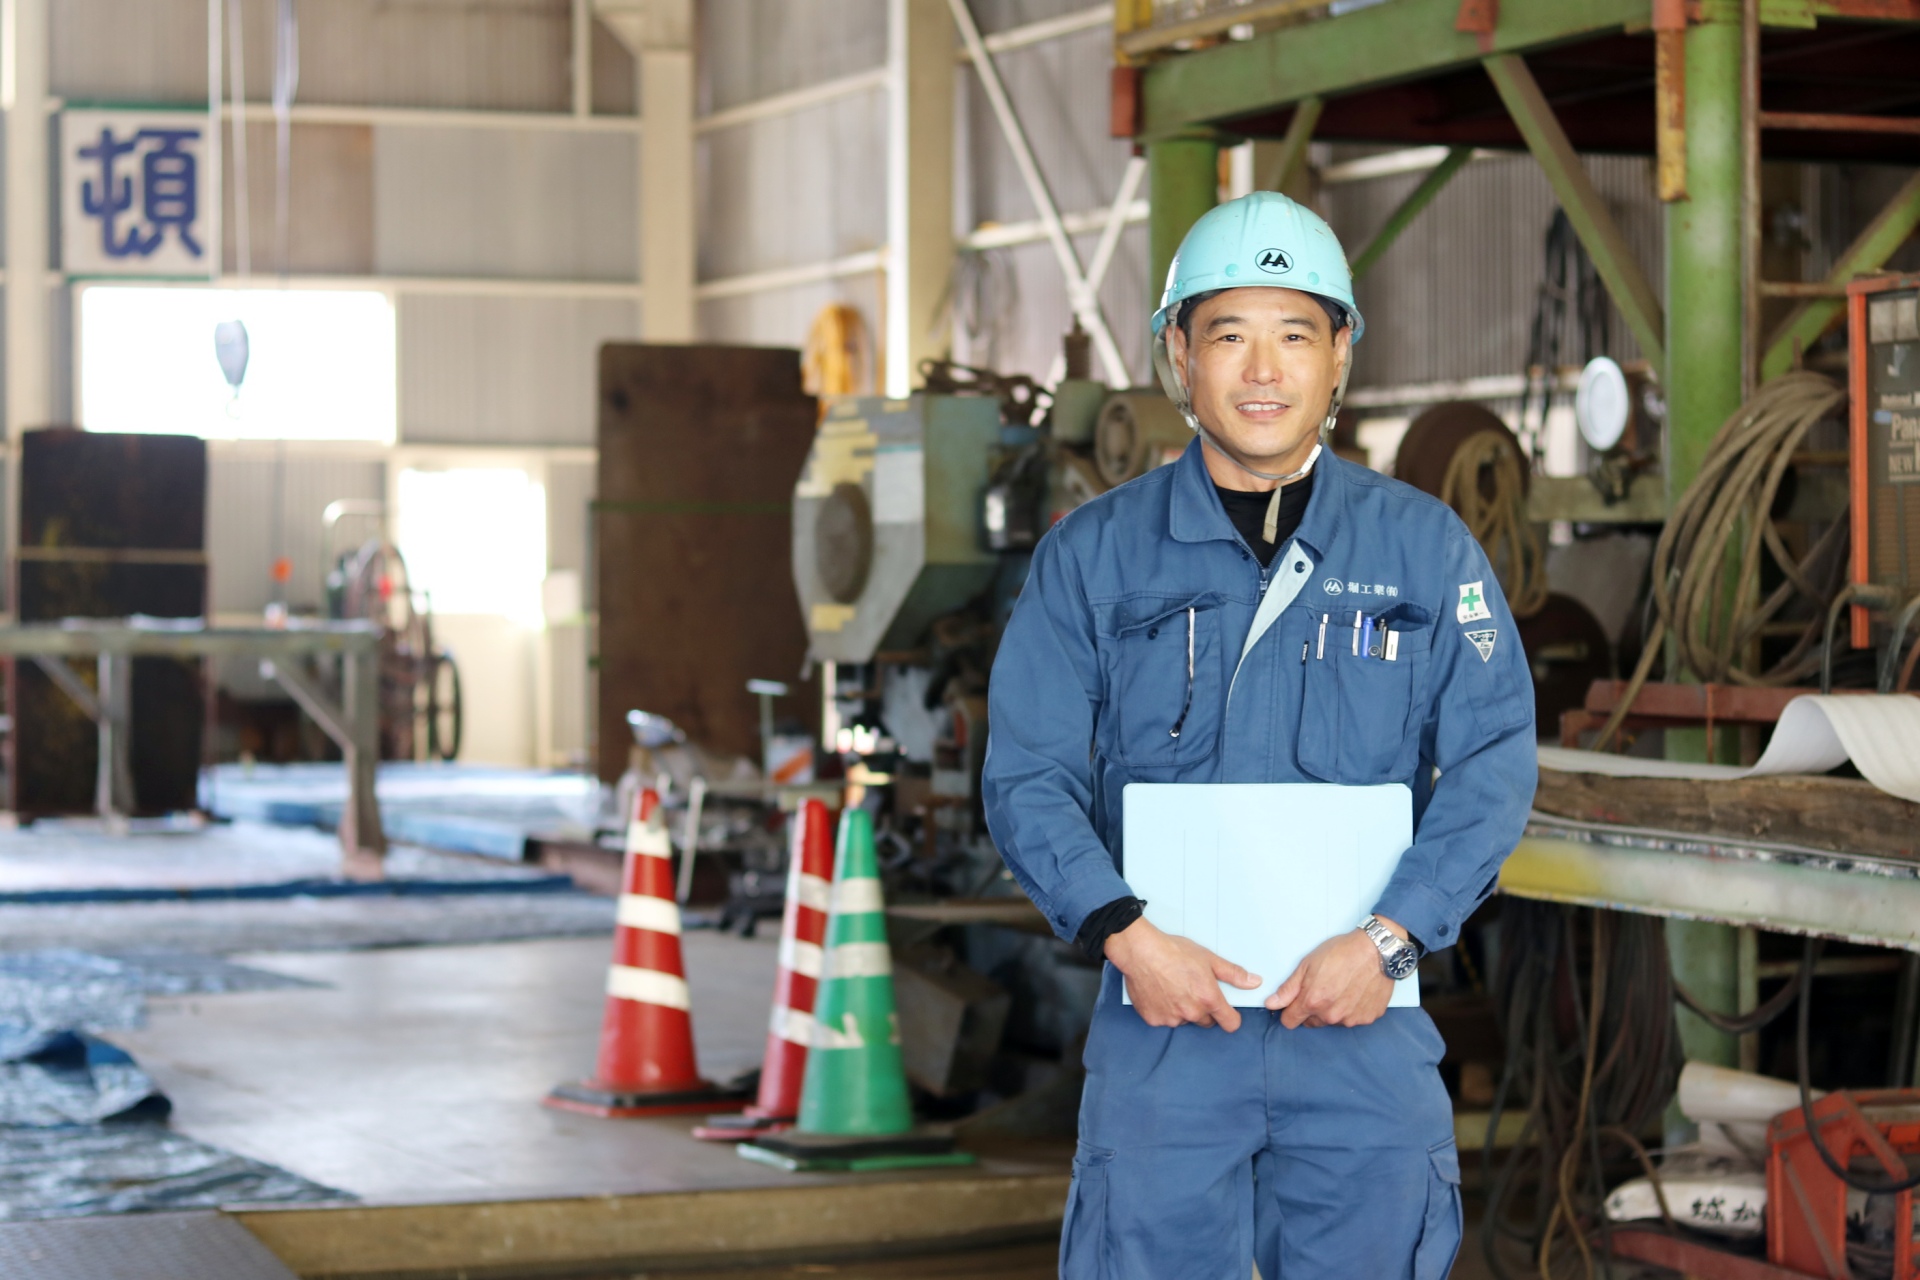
(843, 542)
(1136, 432)
(1432, 438)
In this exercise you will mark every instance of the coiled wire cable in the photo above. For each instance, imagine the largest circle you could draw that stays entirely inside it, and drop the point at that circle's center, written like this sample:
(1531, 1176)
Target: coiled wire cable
(1714, 541)
(1498, 519)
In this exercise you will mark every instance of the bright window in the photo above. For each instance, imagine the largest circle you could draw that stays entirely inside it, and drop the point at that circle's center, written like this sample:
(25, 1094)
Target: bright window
(320, 363)
(475, 539)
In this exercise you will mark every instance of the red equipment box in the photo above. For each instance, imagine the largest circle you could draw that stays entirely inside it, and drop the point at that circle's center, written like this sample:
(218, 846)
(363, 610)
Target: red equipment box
(1869, 1132)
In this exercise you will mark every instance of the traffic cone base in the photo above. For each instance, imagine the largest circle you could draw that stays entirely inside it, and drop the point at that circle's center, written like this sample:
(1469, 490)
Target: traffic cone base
(741, 1127)
(799, 1151)
(591, 1098)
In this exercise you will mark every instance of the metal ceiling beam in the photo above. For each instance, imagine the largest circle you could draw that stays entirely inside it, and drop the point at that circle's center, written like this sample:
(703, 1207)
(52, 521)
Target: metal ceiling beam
(1612, 258)
(1375, 46)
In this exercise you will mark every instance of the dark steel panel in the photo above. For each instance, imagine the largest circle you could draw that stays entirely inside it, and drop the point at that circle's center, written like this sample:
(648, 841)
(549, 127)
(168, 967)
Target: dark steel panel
(103, 493)
(699, 451)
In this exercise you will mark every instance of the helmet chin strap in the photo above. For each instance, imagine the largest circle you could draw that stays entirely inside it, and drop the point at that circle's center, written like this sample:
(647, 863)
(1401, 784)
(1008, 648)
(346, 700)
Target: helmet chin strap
(1171, 379)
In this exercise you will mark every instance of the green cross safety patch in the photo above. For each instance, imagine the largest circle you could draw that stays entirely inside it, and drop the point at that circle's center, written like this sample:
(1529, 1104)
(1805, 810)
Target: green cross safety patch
(1473, 603)
(1483, 641)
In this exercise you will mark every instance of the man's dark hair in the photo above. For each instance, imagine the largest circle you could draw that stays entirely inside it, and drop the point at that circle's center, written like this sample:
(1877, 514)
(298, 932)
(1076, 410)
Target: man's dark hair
(1336, 313)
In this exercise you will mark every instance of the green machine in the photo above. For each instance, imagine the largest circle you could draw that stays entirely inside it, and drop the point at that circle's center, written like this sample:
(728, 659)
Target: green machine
(887, 520)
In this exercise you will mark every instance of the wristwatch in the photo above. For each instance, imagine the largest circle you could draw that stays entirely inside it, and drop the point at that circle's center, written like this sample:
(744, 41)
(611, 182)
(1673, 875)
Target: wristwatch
(1398, 958)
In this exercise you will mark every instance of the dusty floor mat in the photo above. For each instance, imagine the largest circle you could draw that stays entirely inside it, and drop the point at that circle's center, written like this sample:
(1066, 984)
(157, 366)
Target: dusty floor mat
(130, 1168)
(305, 924)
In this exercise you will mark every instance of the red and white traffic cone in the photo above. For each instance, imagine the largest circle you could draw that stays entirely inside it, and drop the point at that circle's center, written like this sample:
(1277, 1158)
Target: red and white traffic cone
(646, 1065)
(803, 934)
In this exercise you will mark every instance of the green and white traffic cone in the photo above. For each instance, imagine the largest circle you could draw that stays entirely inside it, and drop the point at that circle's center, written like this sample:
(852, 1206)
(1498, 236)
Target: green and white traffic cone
(854, 1108)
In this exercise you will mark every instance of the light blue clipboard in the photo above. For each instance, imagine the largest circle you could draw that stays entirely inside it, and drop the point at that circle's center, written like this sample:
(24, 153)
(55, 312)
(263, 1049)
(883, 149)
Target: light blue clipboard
(1262, 873)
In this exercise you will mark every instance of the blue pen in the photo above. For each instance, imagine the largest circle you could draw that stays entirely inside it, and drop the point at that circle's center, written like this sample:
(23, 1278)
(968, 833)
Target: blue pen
(1365, 648)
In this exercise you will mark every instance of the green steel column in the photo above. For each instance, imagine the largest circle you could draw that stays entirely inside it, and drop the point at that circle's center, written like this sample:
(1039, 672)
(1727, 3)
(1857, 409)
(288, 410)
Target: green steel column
(1704, 319)
(1183, 182)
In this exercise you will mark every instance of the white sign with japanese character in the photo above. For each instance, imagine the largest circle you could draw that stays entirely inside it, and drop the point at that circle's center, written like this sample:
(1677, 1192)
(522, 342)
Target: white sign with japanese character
(135, 194)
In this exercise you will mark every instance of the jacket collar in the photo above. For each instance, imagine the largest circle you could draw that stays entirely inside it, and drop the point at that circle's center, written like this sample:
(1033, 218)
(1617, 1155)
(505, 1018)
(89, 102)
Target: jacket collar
(1195, 513)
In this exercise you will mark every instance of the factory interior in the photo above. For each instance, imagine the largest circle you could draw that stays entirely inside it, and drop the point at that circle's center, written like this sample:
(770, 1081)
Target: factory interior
(510, 512)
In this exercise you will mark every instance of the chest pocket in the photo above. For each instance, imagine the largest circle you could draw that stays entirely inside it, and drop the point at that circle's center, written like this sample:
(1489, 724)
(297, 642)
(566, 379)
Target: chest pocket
(1167, 707)
(1359, 719)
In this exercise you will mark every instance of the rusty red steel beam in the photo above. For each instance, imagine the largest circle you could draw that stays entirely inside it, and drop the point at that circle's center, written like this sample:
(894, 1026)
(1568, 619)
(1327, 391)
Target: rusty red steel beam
(1825, 123)
(1722, 703)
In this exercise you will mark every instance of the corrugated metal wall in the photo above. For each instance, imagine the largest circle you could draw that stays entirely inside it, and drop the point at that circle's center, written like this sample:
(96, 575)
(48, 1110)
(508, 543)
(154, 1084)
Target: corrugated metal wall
(752, 49)
(492, 370)
(502, 55)
(242, 482)
(1017, 307)
(514, 203)
(1454, 297)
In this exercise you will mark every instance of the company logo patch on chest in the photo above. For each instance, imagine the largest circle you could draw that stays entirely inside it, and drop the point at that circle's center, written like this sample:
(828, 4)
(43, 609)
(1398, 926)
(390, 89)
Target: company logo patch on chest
(1473, 604)
(1483, 641)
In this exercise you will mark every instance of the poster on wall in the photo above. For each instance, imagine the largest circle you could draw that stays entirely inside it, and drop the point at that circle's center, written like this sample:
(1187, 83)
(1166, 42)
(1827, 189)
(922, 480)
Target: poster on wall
(135, 194)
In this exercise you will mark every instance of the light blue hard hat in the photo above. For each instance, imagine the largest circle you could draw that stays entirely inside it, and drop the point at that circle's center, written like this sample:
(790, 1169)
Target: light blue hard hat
(1260, 240)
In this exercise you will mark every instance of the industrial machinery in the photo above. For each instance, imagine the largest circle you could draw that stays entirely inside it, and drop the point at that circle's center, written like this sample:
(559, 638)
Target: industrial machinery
(913, 524)
(1884, 457)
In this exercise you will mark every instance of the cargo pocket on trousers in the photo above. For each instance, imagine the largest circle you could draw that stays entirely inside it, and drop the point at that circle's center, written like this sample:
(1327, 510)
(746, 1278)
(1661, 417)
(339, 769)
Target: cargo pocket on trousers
(1440, 1233)
(1083, 1239)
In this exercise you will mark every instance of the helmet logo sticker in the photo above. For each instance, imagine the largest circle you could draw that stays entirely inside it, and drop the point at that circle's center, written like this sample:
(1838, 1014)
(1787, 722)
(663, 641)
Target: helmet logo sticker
(1274, 261)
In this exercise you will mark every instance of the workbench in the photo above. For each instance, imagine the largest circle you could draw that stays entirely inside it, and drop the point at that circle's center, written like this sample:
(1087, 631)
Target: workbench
(353, 722)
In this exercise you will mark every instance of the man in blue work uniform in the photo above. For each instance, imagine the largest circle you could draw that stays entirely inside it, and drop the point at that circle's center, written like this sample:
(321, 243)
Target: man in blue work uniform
(1170, 632)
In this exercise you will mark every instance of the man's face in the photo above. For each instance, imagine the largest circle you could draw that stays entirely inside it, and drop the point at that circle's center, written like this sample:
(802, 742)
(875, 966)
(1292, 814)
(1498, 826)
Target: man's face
(1261, 366)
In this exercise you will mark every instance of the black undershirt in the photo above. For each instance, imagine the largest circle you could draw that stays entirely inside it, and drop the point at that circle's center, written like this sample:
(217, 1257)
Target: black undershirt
(1248, 512)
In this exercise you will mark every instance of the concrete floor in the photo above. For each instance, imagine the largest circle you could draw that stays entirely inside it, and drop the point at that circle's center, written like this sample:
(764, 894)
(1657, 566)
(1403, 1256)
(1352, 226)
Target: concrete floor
(415, 1075)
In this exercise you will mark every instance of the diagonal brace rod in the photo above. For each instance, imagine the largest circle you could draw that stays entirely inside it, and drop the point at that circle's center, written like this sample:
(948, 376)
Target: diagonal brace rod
(1417, 199)
(70, 684)
(1619, 271)
(324, 711)
(1869, 252)
(1293, 144)
(1085, 303)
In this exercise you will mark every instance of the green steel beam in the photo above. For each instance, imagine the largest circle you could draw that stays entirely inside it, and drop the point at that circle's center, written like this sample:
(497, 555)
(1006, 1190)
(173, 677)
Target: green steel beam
(1293, 147)
(1706, 323)
(1378, 45)
(1183, 182)
(1612, 258)
(1417, 199)
(1869, 252)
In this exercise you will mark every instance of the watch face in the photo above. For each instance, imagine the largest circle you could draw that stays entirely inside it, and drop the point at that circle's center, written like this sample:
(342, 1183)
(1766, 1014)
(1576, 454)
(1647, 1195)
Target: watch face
(1402, 963)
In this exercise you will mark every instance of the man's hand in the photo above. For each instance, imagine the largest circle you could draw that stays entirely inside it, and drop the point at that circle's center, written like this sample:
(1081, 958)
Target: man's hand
(1176, 980)
(1339, 984)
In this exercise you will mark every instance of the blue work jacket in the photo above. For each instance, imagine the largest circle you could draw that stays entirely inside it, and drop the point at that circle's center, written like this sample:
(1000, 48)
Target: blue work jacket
(1092, 678)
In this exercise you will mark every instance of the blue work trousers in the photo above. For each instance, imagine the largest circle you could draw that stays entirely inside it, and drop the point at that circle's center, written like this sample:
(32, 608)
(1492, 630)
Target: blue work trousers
(1317, 1153)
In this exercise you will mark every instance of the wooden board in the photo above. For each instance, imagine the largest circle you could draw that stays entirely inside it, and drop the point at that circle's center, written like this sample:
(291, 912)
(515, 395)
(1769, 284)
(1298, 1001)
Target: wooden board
(700, 447)
(1845, 815)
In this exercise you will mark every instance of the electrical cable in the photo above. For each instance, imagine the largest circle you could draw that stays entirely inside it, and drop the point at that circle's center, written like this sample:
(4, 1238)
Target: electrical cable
(1744, 1024)
(1714, 540)
(1590, 1070)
